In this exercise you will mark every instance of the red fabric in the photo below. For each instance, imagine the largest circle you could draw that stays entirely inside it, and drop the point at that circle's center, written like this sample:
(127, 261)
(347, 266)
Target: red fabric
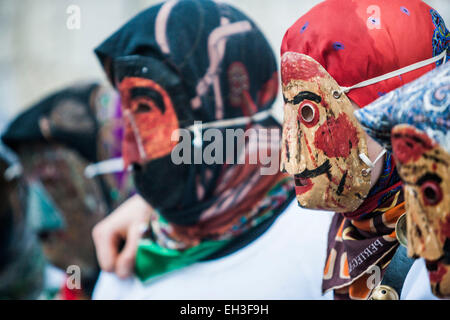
(70, 294)
(342, 36)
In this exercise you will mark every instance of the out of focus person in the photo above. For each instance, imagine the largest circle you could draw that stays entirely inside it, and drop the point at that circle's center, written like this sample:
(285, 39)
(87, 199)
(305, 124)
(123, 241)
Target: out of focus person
(22, 263)
(56, 139)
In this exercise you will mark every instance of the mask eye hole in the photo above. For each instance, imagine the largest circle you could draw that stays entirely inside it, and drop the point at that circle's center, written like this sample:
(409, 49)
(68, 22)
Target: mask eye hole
(142, 108)
(307, 112)
(431, 193)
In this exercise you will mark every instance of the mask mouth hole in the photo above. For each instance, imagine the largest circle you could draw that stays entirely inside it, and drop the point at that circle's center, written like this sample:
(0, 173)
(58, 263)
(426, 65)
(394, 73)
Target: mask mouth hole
(307, 113)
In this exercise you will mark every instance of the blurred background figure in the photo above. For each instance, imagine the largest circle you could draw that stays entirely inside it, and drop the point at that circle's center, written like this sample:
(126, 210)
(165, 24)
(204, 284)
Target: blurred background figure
(55, 140)
(21, 261)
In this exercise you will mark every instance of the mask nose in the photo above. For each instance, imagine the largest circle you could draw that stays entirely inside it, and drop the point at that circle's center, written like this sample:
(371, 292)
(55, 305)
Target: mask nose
(292, 160)
(132, 147)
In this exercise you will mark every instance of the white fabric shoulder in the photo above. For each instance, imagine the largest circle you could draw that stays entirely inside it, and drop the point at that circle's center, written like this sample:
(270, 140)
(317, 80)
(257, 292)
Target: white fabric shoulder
(417, 283)
(286, 262)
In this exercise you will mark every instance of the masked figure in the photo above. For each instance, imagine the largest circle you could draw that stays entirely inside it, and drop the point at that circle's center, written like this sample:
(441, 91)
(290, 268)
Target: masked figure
(56, 140)
(339, 56)
(173, 64)
(414, 121)
(21, 259)
(322, 140)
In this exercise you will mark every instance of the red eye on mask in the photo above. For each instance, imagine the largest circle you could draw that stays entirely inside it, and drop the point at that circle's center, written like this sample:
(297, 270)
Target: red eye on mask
(431, 193)
(308, 114)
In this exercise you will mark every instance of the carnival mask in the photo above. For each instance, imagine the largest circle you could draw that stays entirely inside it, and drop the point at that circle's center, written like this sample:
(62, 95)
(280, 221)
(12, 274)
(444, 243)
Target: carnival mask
(150, 90)
(64, 205)
(322, 140)
(22, 263)
(425, 169)
(149, 116)
(414, 121)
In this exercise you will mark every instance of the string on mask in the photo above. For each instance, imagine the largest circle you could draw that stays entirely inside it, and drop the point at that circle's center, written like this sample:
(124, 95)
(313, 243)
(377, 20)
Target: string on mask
(14, 169)
(197, 128)
(369, 163)
(113, 165)
(116, 165)
(135, 129)
(414, 66)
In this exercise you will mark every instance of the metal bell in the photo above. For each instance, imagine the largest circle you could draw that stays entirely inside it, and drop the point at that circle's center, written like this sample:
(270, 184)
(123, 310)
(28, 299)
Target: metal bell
(400, 230)
(383, 292)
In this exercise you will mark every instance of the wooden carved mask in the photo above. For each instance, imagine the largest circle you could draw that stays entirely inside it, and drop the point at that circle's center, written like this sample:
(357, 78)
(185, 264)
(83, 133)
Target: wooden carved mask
(322, 140)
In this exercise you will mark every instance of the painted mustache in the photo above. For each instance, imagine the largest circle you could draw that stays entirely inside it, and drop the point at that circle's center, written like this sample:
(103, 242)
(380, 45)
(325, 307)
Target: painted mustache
(303, 182)
(323, 168)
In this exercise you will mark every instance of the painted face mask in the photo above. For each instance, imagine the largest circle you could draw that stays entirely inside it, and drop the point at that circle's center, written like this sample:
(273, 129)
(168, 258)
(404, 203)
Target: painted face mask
(425, 169)
(324, 146)
(362, 69)
(65, 206)
(148, 109)
(322, 139)
(149, 90)
(414, 121)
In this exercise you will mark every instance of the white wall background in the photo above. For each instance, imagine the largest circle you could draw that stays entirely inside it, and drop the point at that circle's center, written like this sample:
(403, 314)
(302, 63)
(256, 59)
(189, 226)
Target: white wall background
(38, 54)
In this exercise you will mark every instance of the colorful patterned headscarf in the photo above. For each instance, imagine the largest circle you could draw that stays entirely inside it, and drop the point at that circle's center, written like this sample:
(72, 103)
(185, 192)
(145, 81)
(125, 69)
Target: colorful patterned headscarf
(184, 61)
(356, 41)
(424, 104)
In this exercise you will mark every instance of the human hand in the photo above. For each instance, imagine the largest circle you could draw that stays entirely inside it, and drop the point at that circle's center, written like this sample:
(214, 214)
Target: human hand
(126, 223)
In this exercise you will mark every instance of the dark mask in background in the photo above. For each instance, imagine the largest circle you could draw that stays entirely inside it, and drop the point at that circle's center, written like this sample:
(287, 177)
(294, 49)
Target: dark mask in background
(55, 140)
(150, 90)
(21, 260)
(220, 67)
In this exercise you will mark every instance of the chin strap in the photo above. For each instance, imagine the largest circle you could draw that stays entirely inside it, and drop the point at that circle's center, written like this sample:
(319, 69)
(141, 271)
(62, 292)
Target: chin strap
(417, 65)
(369, 162)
